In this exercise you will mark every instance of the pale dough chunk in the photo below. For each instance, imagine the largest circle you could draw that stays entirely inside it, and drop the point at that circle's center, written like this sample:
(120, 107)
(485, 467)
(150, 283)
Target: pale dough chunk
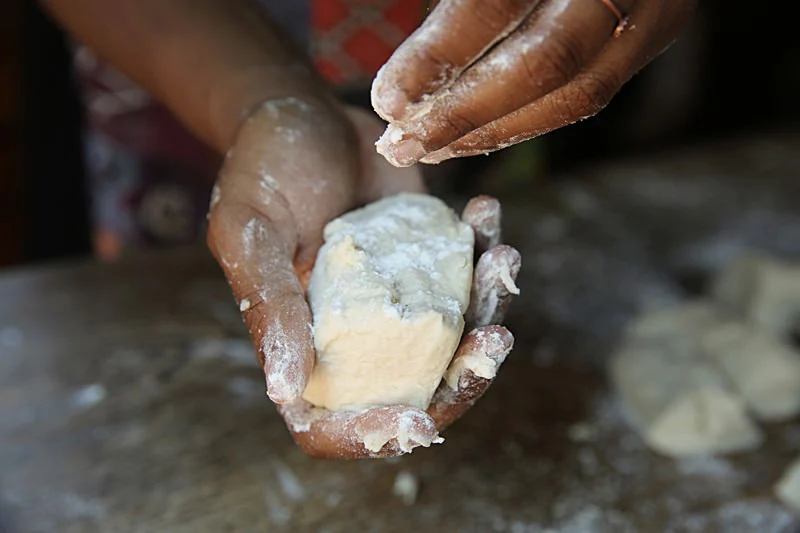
(388, 293)
(761, 290)
(689, 374)
(787, 489)
(677, 329)
(681, 405)
(765, 370)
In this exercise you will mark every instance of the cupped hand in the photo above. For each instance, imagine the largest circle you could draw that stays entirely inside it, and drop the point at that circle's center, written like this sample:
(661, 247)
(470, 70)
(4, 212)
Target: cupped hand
(297, 164)
(481, 75)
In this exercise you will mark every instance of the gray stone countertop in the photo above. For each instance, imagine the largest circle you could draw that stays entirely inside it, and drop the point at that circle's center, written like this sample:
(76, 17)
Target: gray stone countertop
(130, 399)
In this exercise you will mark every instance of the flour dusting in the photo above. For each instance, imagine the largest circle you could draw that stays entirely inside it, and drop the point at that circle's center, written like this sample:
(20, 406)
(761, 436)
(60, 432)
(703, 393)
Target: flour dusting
(419, 254)
(89, 396)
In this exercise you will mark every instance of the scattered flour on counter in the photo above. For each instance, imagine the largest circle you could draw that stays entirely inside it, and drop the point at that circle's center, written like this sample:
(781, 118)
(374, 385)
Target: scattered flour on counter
(595, 520)
(77, 506)
(333, 499)
(406, 487)
(246, 388)
(11, 337)
(289, 483)
(739, 517)
(88, 396)
(234, 350)
(716, 468)
(278, 513)
(582, 432)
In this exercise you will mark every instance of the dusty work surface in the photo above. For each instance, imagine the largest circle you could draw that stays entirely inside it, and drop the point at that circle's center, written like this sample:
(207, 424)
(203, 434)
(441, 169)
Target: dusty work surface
(130, 400)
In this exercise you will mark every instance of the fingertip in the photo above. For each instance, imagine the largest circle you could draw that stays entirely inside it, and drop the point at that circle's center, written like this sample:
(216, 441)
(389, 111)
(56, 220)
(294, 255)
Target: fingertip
(286, 380)
(438, 156)
(483, 213)
(482, 207)
(280, 389)
(374, 433)
(495, 341)
(502, 262)
(396, 430)
(506, 261)
(379, 177)
(493, 285)
(288, 350)
(472, 371)
(398, 150)
(482, 352)
(387, 98)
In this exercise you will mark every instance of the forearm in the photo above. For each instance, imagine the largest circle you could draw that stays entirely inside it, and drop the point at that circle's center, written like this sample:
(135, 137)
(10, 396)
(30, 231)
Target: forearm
(209, 61)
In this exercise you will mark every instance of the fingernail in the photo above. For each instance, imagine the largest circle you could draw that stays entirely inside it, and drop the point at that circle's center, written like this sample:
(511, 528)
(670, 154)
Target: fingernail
(286, 375)
(398, 151)
(434, 158)
(408, 151)
(278, 390)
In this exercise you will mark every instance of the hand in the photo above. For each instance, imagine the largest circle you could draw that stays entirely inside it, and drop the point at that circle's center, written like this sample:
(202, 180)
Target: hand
(395, 430)
(481, 75)
(297, 164)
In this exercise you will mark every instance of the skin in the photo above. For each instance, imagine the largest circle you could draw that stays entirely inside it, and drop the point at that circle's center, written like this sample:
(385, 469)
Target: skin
(528, 67)
(296, 158)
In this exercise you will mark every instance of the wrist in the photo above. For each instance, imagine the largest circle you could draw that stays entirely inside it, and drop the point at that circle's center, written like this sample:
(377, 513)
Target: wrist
(244, 93)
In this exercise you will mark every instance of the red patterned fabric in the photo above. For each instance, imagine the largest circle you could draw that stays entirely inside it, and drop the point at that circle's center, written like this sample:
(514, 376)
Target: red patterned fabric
(351, 39)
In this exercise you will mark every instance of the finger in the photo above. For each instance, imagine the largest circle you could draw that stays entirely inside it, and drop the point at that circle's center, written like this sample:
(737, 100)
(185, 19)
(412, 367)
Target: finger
(583, 98)
(650, 32)
(378, 178)
(472, 370)
(373, 433)
(257, 261)
(483, 214)
(545, 53)
(493, 286)
(435, 55)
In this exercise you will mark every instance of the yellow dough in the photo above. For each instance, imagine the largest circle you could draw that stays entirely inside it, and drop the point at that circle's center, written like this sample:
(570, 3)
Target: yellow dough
(388, 293)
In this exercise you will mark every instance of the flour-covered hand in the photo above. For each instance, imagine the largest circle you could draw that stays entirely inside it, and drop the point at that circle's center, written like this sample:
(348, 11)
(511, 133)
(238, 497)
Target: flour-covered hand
(296, 165)
(480, 75)
(396, 430)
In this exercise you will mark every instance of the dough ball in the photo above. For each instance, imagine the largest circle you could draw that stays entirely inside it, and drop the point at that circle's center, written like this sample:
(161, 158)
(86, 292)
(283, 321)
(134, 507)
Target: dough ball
(388, 293)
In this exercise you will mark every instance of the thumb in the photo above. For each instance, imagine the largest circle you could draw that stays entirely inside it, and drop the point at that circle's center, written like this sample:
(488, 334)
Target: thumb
(257, 262)
(288, 173)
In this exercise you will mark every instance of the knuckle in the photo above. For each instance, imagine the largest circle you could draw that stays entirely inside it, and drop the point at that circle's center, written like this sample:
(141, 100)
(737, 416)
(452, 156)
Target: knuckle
(436, 56)
(496, 12)
(592, 93)
(456, 123)
(436, 68)
(563, 58)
